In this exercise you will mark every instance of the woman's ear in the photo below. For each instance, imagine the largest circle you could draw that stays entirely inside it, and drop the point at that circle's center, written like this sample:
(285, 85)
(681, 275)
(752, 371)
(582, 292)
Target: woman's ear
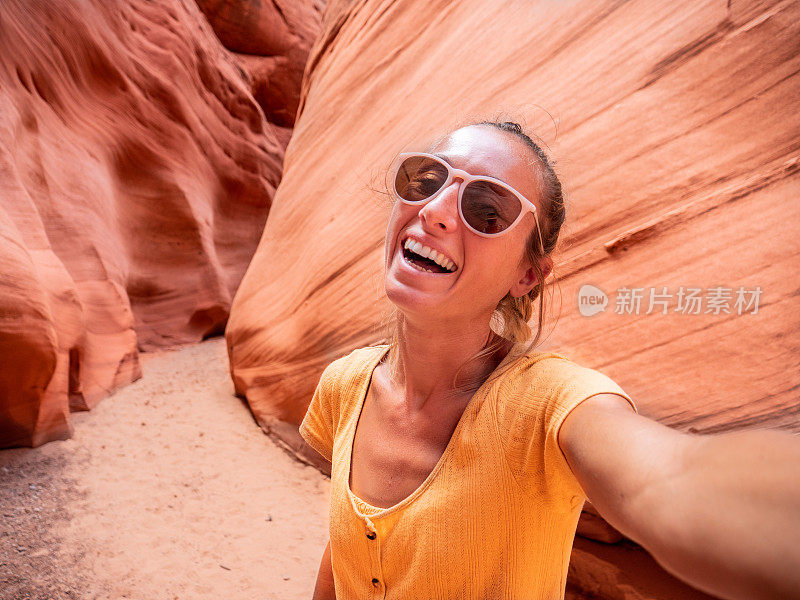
(530, 279)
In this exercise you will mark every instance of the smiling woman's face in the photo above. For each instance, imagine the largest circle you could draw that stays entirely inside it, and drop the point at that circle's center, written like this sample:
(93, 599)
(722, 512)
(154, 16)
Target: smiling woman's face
(484, 269)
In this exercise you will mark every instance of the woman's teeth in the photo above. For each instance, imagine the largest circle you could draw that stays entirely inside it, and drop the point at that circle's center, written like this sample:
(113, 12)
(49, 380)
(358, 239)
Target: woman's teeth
(429, 253)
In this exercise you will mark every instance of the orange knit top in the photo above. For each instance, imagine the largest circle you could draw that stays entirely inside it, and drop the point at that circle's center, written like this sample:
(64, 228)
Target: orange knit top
(496, 517)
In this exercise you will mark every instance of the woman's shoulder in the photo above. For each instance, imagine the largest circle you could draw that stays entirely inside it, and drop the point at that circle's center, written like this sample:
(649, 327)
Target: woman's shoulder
(551, 377)
(545, 366)
(535, 396)
(337, 392)
(355, 365)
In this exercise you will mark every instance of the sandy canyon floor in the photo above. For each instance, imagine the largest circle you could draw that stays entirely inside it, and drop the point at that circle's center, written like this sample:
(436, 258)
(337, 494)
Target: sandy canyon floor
(167, 490)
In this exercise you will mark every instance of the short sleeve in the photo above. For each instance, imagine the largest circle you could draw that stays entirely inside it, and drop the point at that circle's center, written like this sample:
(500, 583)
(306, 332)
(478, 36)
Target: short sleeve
(320, 423)
(531, 410)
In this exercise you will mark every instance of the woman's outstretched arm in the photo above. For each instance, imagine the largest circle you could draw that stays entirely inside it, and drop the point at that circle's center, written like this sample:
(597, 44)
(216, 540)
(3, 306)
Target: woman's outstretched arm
(721, 512)
(324, 589)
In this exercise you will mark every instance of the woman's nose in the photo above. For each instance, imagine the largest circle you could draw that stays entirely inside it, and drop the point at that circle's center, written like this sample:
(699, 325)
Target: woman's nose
(441, 211)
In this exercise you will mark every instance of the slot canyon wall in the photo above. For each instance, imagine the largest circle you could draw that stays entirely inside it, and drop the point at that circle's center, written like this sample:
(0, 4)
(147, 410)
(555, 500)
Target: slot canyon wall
(674, 128)
(138, 160)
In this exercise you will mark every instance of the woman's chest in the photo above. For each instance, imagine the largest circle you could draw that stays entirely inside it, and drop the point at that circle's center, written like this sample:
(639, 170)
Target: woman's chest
(394, 452)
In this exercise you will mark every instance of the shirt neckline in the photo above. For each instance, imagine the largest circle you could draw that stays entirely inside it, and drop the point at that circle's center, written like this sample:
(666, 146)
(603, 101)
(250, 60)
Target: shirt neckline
(376, 512)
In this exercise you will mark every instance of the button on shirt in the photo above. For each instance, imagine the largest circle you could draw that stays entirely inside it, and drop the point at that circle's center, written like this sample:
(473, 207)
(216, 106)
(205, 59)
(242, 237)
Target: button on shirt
(495, 518)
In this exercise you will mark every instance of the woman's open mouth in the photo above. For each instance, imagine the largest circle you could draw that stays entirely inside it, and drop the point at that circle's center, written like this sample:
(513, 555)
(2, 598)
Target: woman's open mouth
(426, 259)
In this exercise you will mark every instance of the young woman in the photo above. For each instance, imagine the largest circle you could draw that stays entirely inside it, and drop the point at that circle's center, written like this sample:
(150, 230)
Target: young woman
(461, 457)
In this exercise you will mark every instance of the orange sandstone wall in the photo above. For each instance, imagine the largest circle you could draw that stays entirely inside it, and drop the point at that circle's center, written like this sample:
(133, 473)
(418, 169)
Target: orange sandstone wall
(677, 141)
(675, 129)
(136, 171)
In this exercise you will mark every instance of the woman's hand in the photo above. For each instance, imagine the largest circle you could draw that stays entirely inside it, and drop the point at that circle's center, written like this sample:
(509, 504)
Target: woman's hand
(324, 589)
(721, 512)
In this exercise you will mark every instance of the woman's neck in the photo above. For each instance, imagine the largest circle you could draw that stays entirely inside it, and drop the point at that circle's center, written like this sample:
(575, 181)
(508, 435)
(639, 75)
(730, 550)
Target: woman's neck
(429, 358)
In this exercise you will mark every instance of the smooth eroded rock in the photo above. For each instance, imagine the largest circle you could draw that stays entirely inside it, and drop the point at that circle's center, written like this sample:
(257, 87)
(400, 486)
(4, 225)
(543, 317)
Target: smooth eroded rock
(136, 172)
(676, 142)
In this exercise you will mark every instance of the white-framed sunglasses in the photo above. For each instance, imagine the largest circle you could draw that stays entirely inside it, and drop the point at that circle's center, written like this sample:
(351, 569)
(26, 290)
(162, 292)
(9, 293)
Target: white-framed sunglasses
(488, 207)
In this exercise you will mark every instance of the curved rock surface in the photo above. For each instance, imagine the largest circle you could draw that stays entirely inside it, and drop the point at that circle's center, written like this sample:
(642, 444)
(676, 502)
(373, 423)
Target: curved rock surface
(677, 143)
(271, 41)
(676, 139)
(136, 172)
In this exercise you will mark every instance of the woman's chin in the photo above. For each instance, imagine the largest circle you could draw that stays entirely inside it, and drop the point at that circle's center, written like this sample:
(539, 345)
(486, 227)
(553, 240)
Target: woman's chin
(409, 299)
(418, 301)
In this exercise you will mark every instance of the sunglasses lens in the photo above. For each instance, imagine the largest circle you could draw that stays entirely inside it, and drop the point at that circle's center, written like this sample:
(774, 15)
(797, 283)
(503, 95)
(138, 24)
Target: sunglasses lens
(419, 178)
(488, 207)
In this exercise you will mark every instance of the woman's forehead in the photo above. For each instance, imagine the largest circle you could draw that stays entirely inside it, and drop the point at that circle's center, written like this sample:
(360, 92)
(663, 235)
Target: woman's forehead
(483, 150)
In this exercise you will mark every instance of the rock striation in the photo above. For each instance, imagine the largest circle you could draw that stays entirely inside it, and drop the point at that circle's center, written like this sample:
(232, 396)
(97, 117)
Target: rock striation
(136, 171)
(676, 142)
